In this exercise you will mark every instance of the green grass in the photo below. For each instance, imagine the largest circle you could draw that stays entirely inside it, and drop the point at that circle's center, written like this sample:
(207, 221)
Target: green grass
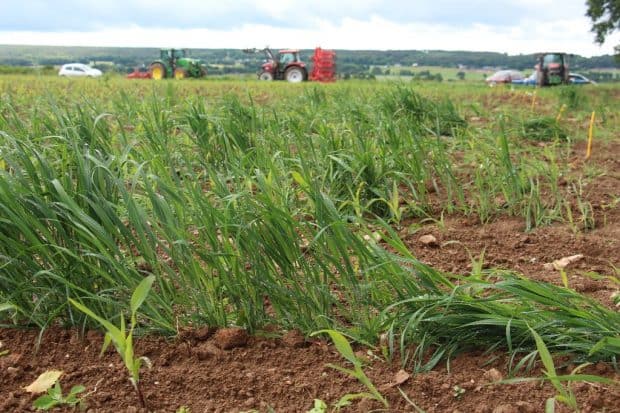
(234, 194)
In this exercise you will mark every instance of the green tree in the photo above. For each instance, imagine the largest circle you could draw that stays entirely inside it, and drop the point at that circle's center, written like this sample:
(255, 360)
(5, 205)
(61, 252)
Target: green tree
(605, 16)
(376, 71)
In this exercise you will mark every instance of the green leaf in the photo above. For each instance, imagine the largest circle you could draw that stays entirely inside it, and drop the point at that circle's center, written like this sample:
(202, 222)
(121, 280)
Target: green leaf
(585, 377)
(122, 326)
(77, 389)
(56, 391)
(613, 342)
(547, 361)
(127, 356)
(351, 373)
(45, 402)
(545, 356)
(140, 293)
(550, 405)
(346, 399)
(319, 407)
(6, 307)
(299, 179)
(114, 332)
(598, 346)
(107, 339)
(342, 345)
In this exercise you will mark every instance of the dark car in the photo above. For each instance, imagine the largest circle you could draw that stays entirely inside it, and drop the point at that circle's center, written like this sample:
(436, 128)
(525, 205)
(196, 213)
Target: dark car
(573, 78)
(531, 80)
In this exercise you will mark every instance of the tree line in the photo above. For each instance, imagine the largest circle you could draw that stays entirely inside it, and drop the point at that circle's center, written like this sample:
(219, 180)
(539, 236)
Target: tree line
(231, 61)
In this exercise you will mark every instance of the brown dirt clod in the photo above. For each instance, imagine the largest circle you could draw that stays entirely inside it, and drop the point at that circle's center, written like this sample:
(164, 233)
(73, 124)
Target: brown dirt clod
(294, 339)
(229, 338)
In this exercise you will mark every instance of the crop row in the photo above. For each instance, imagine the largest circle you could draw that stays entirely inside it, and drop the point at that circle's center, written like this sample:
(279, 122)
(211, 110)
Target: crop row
(279, 213)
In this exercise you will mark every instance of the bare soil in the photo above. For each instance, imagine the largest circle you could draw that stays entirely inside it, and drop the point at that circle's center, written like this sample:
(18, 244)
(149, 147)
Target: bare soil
(267, 373)
(462, 243)
(227, 371)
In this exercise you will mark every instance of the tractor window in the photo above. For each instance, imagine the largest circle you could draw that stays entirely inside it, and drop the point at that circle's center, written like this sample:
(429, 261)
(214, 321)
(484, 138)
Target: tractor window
(552, 58)
(286, 58)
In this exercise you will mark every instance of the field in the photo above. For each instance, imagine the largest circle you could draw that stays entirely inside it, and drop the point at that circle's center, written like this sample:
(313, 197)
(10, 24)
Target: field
(456, 236)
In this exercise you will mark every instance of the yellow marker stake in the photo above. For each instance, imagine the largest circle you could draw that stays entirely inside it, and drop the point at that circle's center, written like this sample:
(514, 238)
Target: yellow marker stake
(557, 119)
(590, 135)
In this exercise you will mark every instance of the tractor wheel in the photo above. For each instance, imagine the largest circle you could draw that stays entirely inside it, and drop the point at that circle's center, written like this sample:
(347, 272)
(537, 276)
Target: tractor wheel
(158, 71)
(266, 76)
(180, 74)
(294, 75)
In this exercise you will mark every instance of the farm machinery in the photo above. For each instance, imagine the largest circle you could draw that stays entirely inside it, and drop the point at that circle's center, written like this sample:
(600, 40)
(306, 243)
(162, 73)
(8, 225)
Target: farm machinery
(552, 69)
(139, 73)
(287, 65)
(176, 63)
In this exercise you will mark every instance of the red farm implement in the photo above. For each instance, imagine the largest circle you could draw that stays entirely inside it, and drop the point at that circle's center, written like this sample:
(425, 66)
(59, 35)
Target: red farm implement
(324, 67)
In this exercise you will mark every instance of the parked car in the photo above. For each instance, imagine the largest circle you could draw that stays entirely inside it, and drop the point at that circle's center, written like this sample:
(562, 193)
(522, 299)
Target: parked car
(504, 76)
(574, 79)
(531, 80)
(577, 79)
(78, 70)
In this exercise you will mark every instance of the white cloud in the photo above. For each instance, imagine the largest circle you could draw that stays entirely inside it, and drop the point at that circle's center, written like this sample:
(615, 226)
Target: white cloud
(374, 33)
(526, 26)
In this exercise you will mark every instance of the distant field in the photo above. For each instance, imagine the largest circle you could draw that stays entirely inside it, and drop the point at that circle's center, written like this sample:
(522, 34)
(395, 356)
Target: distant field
(448, 74)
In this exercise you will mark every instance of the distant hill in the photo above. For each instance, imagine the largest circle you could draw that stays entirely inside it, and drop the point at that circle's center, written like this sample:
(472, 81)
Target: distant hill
(225, 61)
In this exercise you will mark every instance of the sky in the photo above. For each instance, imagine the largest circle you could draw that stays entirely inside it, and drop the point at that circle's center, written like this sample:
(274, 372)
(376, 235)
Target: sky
(513, 27)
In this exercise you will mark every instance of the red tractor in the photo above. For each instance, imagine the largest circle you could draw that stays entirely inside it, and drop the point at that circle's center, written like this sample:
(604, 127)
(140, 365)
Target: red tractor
(552, 69)
(285, 66)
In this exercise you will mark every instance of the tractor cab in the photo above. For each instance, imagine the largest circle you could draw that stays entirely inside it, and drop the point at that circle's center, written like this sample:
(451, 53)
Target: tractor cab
(173, 55)
(288, 56)
(552, 69)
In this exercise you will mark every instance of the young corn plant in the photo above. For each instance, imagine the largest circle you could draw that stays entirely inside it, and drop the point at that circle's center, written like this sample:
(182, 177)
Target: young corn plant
(565, 393)
(344, 348)
(319, 406)
(122, 340)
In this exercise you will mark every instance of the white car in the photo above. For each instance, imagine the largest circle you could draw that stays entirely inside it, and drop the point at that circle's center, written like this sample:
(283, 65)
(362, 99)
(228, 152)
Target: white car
(577, 79)
(78, 70)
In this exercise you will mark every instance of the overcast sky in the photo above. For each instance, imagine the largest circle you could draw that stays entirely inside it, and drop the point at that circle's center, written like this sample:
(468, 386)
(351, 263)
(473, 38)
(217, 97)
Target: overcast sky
(522, 26)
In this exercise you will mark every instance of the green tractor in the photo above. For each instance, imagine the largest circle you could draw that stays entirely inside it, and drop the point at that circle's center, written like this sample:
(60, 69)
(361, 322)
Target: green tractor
(176, 63)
